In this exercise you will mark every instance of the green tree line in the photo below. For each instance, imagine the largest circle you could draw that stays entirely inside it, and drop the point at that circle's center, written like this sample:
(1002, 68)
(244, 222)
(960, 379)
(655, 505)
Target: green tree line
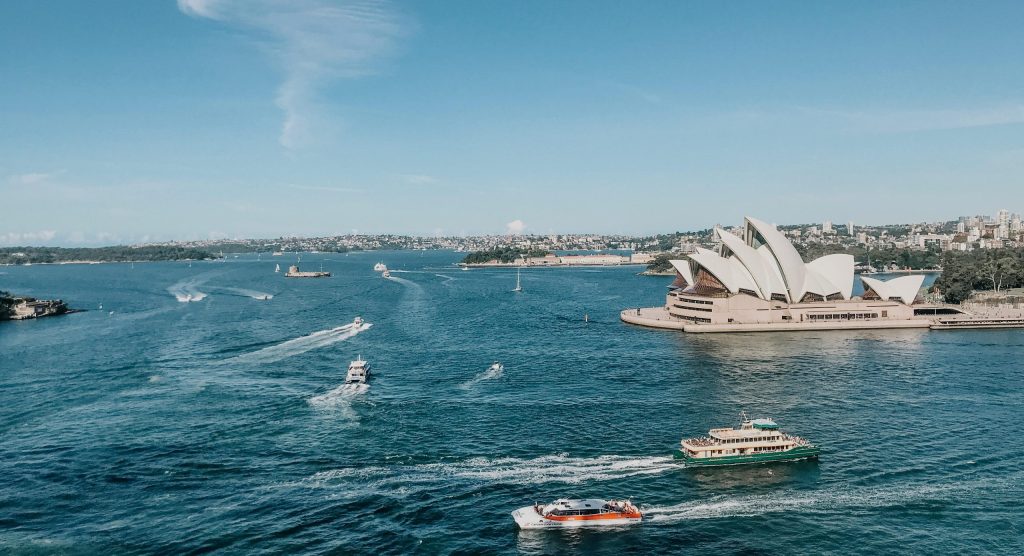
(902, 257)
(662, 262)
(502, 254)
(6, 305)
(118, 253)
(981, 269)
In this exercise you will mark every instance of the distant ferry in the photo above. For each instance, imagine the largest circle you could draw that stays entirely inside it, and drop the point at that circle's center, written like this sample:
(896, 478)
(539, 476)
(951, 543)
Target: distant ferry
(358, 372)
(379, 267)
(577, 513)
(755, 441)
(294, 272)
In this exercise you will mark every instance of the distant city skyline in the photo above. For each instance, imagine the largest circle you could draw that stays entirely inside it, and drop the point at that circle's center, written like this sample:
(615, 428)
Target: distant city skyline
(128, 122)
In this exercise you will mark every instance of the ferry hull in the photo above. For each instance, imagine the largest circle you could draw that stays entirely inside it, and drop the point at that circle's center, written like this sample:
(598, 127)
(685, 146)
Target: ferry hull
(528, 518)
(796, 454)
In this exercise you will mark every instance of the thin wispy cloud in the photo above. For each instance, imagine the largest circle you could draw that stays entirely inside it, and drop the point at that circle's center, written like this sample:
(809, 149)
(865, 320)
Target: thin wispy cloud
(907, 121)
(418, 179)
(315, 42)
(637, 92)
(32, 178)
(26, 238)
(323, 188)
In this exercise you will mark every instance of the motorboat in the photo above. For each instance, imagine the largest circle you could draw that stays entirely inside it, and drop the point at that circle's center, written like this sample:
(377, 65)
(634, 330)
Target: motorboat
(577, 513)
(379, 267)
(385, 274)
(358, 371)
(358, 321)
(496, 367)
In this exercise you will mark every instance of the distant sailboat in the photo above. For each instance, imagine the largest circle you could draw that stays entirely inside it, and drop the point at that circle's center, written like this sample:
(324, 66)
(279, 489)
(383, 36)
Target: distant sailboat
(519, 285)
(277, 268)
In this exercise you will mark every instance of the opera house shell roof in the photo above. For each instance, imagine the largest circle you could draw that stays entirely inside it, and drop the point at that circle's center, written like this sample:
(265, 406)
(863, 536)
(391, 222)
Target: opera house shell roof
(763, 263)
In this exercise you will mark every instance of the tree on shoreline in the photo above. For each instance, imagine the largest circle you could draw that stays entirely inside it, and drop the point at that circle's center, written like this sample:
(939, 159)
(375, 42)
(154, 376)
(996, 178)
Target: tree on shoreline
(117, 253)
(6, 305)
(981, 270)
(502, 255)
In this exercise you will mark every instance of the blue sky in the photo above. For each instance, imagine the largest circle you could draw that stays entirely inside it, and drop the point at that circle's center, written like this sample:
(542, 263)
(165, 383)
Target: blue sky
(126, 121)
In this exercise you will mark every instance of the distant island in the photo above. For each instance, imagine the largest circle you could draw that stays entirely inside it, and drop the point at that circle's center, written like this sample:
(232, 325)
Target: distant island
(504, 254)
(19, 308)
(118, 253)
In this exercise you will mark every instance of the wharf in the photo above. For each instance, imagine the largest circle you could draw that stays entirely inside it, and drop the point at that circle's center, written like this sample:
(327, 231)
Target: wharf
(961, 323)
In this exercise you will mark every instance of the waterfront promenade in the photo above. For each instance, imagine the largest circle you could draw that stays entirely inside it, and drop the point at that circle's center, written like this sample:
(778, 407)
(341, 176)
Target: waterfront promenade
(659, 317)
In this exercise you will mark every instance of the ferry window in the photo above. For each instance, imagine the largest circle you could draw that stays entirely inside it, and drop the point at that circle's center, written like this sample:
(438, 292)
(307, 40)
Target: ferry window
(885, 314)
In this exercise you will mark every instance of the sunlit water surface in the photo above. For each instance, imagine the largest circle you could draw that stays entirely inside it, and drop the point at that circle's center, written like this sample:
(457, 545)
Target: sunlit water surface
(196, 412)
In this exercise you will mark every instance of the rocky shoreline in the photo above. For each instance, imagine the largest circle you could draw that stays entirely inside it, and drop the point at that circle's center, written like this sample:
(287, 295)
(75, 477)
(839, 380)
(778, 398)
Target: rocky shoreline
(22, 308)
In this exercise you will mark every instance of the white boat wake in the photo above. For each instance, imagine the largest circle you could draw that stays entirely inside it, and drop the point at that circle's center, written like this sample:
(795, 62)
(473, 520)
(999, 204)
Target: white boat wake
(302, 344)
(261, 296)
(403, 281)
(823, 501)
(490, 374)
(338, 402)
(187, 290)
(340, 396)
(514, 471)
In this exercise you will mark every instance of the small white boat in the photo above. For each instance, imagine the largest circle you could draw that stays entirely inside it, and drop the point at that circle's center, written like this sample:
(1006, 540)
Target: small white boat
(578, 513)
(496, 367)
(358, 372)
(385, 274)
(277, 268)
(519, 285)
(358, 321)
(379, 267)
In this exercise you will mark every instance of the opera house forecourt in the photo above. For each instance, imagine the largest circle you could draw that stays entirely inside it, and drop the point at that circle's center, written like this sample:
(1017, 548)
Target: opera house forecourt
(760, 283)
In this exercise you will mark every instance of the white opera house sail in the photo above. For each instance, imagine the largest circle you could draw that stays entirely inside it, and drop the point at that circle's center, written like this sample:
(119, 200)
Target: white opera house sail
(760, 279)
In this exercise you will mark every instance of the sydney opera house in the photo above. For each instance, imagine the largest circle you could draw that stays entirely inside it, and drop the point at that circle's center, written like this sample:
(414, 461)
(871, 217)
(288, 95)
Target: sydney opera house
(760, 282)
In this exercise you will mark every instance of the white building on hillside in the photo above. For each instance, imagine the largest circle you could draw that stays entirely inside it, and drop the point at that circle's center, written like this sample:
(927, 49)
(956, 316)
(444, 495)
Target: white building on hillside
(760, 279)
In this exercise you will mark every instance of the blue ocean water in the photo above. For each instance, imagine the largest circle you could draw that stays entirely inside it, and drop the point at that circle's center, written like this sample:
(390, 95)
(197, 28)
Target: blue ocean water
(157, 425)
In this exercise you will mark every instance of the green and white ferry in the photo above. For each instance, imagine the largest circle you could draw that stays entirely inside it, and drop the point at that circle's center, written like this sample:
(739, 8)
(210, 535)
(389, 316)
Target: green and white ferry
(755, 441)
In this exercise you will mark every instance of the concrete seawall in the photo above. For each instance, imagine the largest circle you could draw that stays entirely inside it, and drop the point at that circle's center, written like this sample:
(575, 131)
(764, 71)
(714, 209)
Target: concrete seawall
(658, 317)
(653, 317)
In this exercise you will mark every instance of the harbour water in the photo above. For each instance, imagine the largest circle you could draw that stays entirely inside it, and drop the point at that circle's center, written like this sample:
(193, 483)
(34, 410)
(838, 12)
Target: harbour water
(200, 410)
